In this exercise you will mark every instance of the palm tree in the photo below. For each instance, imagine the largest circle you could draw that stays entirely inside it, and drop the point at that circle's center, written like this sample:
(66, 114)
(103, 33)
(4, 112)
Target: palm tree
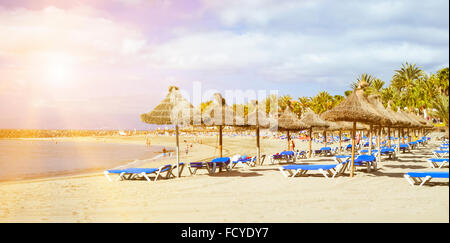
(442, 80)
(377, 85)
(404, 78)
(362, 78)
(272, 104)
(322, 102)
(404, 81)
(441, 106)
(285, 101)
(337, 99)
(204, 105)
(304, 103)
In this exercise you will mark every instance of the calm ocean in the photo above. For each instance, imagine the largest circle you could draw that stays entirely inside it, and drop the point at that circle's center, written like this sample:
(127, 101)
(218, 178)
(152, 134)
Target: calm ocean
(20, 159)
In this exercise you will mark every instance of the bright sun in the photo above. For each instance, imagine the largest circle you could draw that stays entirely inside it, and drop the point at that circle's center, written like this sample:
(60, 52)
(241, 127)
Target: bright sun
(57, 72)
(58, 69)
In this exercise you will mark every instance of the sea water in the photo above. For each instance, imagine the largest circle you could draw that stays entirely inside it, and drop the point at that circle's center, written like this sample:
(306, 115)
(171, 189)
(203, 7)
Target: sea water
(25, 159)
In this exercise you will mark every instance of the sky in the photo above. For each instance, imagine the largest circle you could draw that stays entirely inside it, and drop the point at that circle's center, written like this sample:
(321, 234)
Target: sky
(99, 64)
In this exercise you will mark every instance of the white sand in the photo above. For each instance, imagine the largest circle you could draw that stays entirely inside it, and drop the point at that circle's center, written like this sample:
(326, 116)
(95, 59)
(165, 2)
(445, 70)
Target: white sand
(259, 194)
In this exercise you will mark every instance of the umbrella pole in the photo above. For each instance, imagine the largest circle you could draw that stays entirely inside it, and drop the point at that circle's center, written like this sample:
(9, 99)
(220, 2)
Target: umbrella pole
(409, 135)
(370, 138)
(177, 133)
(258, 150)
(220, 141)
(398, 142)
(389, 137)
(380, 134)
(340, 141)
(377, 136)
(352, 168)
(403, 136)
(289, 141)
(310, 142)
(325, 137)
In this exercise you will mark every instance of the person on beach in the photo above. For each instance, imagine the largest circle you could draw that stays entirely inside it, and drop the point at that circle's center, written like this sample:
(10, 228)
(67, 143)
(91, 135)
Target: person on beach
(293, 145)
(147, 141)
(164, 151)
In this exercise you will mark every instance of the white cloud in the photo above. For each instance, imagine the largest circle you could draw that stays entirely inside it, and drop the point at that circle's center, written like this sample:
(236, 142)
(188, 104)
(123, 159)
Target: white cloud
(290, 56)
(80, 32)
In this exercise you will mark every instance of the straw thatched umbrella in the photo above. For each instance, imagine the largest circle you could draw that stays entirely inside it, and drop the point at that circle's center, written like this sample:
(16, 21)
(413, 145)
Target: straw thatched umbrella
(389, 121)
(173, 110)
(312, 120)
(355, 108)
(426, 124)
(414, 123)
(288, 121)
(220, 114)
(402, 122)
(258, 119)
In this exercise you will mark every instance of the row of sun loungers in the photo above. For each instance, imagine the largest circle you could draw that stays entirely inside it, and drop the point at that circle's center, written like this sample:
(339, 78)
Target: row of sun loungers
(169, 171)
(440, 160)
(368, 161)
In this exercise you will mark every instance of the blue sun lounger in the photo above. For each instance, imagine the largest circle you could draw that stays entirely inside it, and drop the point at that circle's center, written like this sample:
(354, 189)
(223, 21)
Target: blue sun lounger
(422, 177)
(326, 151)
(285, 156)
(404, 147)
(366, 160)
(194, 166)
(136, 173)
(413, 144)
(220, 163)
(244, 161)
(437, 162)
(327, 170)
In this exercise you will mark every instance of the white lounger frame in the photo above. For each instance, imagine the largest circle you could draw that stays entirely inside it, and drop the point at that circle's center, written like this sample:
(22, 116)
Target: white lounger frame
(436, 165)
(417, 180)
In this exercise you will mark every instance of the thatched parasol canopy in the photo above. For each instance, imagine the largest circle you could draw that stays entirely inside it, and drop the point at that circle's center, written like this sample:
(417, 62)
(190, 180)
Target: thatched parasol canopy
(288, 121)
(174, 109)
(422, 120)
(220, 114)
(259, 118)
(313, 120)
(355, 108)
(376, 102)
(414, 123)
(401, 120)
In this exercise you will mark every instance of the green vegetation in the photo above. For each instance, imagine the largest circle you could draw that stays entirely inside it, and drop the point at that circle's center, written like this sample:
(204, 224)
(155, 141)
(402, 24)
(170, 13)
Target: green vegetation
(410, 88)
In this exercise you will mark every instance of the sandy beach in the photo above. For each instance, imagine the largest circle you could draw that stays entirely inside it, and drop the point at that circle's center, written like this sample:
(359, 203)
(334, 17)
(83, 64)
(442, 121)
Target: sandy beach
(257, 194)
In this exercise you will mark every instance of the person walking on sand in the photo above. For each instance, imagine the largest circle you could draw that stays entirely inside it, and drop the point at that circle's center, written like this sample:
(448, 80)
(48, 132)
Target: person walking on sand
(147, 141)
(293, 145)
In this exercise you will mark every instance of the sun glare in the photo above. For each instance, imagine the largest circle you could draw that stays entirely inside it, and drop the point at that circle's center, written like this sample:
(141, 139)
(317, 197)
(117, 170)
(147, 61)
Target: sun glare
(58, 68)
(57, 72)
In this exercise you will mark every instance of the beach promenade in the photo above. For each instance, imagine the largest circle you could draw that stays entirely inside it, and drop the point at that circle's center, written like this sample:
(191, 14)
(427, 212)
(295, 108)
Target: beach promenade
(256, 194)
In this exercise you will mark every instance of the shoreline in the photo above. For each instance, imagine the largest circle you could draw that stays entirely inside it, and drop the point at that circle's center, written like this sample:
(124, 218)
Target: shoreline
(56, 175)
